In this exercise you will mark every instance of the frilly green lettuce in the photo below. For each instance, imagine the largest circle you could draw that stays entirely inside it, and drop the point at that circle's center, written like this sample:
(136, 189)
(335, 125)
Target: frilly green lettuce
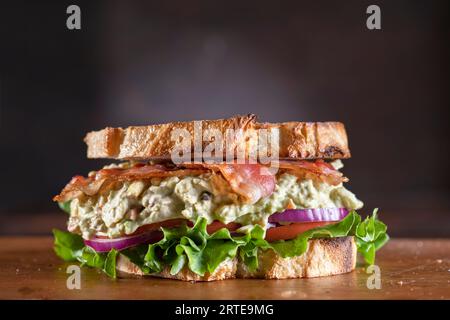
(194, 248)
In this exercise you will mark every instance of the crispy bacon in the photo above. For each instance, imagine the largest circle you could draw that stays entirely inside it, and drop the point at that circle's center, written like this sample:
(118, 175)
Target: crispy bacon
(142, 171)
(104, 178)
(318, 169)
(251, 181)
(80, 184)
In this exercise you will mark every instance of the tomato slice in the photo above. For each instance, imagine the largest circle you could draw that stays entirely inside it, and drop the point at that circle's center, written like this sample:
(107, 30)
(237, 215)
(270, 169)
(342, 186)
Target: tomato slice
(165, 224)
(211, 228)
(292, 230)
(155, 227)
(217, 225)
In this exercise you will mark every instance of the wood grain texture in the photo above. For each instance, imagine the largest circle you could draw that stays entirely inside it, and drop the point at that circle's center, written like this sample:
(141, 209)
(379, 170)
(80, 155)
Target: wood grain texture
(410, 269)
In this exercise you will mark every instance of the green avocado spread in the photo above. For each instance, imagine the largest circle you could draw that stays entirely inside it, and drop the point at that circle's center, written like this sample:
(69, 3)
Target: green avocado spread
(122, 211)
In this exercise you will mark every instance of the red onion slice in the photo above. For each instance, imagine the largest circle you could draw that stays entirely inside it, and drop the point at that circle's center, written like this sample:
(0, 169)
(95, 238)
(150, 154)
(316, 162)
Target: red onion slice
(105, 245)
(309, 215)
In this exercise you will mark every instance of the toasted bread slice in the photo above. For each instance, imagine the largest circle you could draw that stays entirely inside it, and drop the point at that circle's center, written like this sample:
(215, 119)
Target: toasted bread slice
(297, 140)
(324, 257)
(226, 270)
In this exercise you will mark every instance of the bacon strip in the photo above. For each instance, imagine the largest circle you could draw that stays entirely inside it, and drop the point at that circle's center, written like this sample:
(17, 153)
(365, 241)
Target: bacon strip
(142, 171)
(319, 170)
(104, 178)
(251, 181)
(79, 185)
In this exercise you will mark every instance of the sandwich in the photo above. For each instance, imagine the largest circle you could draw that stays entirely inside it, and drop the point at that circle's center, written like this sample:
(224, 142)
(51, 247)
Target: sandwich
(218, 199)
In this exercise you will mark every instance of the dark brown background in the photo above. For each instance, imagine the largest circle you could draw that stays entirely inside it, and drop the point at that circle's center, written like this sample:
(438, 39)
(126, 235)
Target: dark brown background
(148, 62)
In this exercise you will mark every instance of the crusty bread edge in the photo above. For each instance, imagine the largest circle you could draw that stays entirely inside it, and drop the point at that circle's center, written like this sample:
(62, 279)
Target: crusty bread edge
(297, 140)
(324, 257)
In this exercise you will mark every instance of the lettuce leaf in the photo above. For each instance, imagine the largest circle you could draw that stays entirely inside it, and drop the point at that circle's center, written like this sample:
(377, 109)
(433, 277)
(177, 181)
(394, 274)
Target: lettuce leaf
(136, 255)
(299, 245)
(201, 252)
(249, 252)
(109, 266)
(70, 247)
(65, 206)
(193, 247)
(370, 235)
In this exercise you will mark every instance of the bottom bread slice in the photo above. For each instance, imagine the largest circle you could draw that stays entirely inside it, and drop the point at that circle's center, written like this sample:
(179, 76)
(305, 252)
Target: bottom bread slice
(324, 257)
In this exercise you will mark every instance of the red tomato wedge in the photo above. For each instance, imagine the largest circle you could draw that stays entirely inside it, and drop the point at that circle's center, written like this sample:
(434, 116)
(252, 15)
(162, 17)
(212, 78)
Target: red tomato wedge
(156, 226)
(211, 228)
(291, 231)
(217, 225)
(165, 224)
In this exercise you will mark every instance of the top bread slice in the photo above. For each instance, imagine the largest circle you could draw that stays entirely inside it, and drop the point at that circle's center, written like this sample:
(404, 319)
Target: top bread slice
(297, 140)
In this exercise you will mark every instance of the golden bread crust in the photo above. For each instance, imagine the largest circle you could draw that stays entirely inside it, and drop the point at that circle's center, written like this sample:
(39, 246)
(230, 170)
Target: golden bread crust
(297, 140)
(324, 257)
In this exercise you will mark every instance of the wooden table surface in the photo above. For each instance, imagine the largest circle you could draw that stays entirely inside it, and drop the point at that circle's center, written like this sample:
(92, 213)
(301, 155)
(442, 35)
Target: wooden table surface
(410, 269)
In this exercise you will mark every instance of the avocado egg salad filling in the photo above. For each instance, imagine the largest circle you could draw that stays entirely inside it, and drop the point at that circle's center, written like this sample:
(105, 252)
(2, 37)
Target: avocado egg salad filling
(195, 216)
